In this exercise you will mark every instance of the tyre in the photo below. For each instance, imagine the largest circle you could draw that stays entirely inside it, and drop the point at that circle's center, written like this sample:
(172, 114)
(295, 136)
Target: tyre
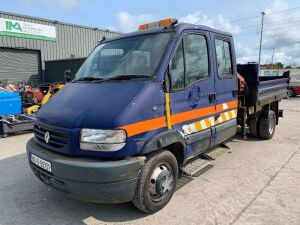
(293, 93)
(267, 126)
(157, 182)
(3, 135)
(253, 127)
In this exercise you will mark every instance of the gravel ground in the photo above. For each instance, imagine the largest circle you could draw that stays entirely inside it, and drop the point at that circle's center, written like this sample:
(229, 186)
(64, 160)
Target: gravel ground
(256, 182)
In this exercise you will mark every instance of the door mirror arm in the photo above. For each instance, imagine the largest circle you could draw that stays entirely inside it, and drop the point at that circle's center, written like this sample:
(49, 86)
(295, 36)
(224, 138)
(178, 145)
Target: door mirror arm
(67, 76)
(168, 80)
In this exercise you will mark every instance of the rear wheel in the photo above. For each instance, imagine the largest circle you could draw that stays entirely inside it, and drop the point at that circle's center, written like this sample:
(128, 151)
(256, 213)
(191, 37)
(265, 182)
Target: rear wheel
(253, 126)
(293, 93)
(267, 126)
(157, 183)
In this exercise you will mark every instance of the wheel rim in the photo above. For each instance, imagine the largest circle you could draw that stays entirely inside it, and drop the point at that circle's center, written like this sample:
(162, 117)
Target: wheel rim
(161, 182)
(271, 125)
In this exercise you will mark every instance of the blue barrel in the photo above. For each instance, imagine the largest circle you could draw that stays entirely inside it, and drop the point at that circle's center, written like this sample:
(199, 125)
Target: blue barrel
(10, 103)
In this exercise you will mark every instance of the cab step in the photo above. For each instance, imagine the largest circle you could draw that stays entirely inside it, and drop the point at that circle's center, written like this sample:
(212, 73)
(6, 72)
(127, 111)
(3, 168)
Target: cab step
(196, 167)
(206, 156)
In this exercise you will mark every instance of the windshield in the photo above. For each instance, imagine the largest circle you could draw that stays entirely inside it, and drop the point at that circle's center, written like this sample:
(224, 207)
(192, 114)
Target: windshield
(136, 56)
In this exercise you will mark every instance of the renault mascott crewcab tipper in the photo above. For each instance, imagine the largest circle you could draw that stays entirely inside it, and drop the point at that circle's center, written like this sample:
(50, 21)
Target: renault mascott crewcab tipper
(145, 106)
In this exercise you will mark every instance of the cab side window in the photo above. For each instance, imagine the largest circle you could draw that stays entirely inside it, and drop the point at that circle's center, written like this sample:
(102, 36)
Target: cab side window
(178, 68)
(190, 62)
(224, 61)
(196, 58)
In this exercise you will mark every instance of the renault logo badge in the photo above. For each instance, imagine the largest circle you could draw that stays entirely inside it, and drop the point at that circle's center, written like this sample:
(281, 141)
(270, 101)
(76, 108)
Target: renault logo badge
(47, 137)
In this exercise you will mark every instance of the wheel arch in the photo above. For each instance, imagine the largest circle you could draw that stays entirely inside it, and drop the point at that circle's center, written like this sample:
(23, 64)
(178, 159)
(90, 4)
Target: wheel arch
(171, 140)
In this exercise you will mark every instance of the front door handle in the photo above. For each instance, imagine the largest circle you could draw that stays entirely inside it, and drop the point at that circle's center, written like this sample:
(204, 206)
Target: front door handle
(212, 97)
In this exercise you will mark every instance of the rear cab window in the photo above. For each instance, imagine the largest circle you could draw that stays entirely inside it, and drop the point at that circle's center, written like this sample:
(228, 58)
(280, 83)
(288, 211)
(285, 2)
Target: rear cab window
(224, 59)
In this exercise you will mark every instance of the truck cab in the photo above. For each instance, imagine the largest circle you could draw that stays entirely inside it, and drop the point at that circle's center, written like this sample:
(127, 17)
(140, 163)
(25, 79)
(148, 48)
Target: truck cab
(140, 107)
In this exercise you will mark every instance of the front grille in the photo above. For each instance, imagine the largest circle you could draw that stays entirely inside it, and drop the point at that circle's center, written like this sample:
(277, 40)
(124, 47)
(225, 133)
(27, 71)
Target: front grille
(57, 139)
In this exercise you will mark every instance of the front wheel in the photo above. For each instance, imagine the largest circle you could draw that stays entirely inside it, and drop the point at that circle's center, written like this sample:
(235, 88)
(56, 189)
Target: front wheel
(157, 182)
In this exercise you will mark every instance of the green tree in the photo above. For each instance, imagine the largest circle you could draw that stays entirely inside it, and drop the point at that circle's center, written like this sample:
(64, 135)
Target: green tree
(279, 65)
(288, 67)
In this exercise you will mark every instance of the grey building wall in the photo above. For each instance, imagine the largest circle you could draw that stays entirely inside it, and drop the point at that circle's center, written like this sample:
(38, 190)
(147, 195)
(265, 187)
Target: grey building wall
(71, 40)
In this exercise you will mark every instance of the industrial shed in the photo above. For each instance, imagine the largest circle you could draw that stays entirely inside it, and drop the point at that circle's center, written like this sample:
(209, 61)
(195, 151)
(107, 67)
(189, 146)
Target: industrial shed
(26, 43)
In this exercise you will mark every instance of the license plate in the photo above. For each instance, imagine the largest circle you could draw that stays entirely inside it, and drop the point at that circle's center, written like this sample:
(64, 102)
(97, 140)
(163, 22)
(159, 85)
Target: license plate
(41, 163)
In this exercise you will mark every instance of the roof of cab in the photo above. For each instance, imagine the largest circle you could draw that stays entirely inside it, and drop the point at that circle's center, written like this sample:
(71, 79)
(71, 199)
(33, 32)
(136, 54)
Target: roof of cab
(188, 26)
(178, 28)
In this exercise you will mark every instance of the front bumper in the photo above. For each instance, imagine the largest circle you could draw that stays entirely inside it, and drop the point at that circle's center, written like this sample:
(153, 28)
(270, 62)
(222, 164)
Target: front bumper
(88, 179)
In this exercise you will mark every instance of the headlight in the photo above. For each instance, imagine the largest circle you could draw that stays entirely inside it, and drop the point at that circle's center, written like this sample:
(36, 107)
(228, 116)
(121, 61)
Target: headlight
(102, 140)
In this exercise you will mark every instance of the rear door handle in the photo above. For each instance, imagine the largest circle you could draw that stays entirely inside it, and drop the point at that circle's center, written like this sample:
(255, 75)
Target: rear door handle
(212, 97)
(235, 93)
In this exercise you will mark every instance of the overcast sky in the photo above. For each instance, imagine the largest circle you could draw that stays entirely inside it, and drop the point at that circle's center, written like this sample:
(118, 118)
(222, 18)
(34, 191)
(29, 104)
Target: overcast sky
(282, 29)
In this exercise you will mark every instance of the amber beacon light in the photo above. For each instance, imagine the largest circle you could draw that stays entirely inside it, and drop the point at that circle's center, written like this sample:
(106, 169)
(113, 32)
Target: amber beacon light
(162, 23)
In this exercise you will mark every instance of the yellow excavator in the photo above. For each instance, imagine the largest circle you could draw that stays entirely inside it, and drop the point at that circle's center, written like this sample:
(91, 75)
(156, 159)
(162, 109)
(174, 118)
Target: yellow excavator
(54, 88)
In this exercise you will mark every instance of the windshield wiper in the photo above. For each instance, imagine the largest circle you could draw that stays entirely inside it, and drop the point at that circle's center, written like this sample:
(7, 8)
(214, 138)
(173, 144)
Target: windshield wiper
(127, 77)
(89, 79)
(120, 77)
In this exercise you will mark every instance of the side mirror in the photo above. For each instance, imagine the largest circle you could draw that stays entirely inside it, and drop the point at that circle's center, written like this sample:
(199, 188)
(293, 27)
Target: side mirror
(67, 76)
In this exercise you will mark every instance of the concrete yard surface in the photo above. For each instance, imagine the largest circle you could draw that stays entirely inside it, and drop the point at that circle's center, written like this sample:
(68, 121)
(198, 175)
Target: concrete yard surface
(256, 182)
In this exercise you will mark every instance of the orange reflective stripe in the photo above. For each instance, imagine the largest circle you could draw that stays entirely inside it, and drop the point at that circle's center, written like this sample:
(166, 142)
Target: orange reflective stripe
(160, 122)
(230, 105)
(190, 115)
(143, 126)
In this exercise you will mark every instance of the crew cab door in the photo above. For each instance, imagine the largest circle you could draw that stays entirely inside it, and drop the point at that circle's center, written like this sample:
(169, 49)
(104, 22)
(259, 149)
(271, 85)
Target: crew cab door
(225, 88)
(192, 88)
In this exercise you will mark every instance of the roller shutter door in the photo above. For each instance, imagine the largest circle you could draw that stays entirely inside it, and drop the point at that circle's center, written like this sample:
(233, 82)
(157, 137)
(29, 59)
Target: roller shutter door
(19, 65)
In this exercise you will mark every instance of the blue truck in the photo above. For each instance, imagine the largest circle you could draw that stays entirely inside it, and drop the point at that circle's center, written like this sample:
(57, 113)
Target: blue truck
(143, 107)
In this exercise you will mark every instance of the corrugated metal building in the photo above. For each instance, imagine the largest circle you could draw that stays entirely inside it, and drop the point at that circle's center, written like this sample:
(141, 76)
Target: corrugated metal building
(27, 42)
